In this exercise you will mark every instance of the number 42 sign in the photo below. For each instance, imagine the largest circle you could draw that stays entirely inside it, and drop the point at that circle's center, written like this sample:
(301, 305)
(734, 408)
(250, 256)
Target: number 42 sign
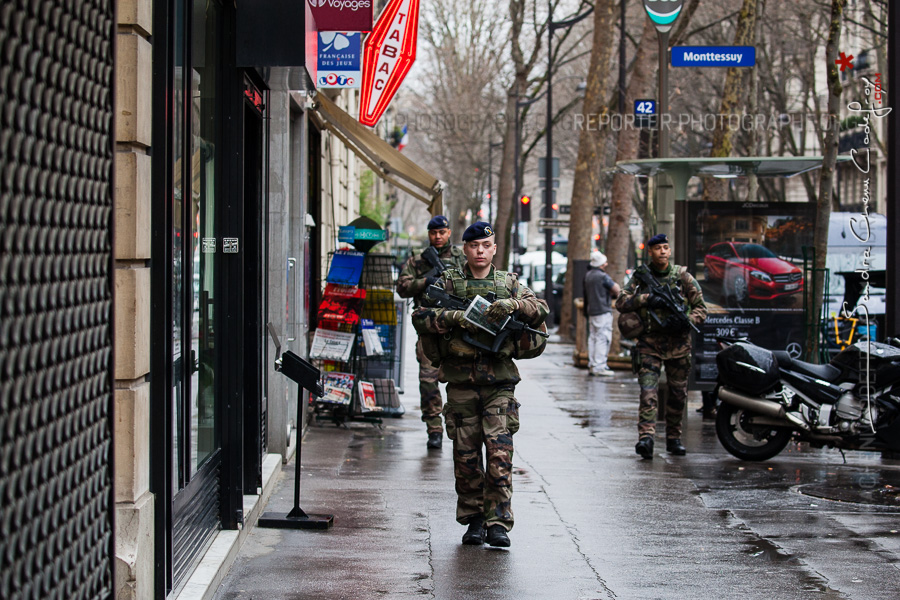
(645, 107)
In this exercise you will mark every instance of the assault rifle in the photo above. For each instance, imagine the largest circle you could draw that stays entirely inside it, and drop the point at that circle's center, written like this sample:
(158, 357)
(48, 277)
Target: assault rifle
(439, 298)
(674, 304)
(432, 257)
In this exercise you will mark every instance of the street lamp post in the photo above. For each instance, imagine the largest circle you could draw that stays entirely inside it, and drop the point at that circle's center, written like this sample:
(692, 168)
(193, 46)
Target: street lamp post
(548, 180)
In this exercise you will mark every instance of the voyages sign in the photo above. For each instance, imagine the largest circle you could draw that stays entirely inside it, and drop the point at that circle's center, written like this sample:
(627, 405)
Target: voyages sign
(389, 53)
(342, 15)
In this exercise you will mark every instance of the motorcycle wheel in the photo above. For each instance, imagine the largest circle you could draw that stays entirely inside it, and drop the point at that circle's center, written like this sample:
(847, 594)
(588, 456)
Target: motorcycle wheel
(745, 440)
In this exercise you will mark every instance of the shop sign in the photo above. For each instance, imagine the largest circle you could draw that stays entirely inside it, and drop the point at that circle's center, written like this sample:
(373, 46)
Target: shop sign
(340, 59)
(389, 53)
(343, 15)
(347, 234)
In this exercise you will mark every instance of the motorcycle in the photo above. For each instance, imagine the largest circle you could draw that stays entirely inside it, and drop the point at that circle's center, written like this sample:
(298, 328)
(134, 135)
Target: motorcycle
(767, 398)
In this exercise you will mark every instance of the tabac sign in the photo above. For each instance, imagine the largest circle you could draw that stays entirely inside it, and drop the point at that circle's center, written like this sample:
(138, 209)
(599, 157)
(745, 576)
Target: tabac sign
(389, 53)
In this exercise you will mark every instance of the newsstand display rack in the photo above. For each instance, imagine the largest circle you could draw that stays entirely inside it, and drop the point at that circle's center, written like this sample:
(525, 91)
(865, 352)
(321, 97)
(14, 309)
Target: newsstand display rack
(356, 344)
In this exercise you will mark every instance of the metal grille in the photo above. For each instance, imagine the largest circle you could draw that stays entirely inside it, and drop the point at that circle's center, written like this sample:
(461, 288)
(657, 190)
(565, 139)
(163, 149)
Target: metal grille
(56, 143)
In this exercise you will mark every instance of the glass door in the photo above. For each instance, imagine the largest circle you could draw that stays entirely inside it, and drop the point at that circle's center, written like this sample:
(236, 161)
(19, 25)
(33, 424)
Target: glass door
(195, 247)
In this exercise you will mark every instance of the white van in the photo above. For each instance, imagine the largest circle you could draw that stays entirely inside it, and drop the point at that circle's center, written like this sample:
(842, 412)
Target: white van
(534, 267)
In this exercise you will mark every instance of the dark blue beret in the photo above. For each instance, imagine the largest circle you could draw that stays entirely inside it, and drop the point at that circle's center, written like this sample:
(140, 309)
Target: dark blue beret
(659, 238)
(438, 222)
(478, 231)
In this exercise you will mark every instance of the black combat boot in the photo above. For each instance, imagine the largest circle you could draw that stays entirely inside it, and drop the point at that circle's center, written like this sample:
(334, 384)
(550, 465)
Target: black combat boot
(674, 446)
(435, 439)
(474, 535)
(496, 536)
(644, 447)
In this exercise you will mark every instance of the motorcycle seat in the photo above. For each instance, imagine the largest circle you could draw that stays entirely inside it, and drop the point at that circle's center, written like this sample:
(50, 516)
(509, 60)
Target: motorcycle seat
(824, 372)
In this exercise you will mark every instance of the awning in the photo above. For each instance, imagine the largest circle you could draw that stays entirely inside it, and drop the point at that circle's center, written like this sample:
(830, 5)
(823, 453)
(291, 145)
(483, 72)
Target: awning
(378, 155)
(682, 169)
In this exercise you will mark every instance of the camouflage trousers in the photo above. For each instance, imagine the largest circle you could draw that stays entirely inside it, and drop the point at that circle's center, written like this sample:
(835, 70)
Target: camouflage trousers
(677, 371)
(481, 421)
(429, 393)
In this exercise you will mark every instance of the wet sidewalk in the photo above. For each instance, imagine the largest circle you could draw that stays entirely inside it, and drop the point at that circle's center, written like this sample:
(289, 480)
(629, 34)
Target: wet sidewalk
(592, 519)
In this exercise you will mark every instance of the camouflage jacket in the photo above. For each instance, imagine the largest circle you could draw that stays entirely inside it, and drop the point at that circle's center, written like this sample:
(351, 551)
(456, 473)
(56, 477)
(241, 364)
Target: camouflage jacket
(411, 283)
(465, 364)
(635, 296)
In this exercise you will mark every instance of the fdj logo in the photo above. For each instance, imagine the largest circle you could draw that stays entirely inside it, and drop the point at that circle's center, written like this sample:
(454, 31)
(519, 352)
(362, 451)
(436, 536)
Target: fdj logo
(663, 12)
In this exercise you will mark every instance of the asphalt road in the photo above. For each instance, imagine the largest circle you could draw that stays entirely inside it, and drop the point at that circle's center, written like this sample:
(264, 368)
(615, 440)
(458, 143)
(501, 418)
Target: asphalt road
(593, 520)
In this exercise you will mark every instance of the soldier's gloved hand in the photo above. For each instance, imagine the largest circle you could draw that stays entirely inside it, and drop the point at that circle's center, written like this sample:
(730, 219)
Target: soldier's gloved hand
(500, 309)
(452, 318)
(430, 281)
(656, 301)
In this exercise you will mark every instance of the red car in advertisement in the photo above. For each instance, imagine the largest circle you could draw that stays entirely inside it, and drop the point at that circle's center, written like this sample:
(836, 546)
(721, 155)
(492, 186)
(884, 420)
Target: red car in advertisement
(751, 272)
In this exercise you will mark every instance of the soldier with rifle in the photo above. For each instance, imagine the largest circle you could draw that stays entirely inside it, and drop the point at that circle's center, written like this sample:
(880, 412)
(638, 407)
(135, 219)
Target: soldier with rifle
(420, 271)
(669, 303)
(474, 322)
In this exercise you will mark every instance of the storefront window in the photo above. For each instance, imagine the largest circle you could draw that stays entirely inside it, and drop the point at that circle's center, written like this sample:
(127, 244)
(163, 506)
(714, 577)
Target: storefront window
(177, 248)
(204, 136)
(194, 238)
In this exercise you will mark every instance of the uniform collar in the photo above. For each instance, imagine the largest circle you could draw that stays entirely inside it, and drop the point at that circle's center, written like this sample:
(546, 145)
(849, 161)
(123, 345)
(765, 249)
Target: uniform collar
(667, 270)
(469, 273)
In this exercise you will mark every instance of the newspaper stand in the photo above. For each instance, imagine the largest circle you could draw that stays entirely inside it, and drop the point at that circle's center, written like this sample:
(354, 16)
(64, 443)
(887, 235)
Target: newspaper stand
(307, 377)
(360, 385)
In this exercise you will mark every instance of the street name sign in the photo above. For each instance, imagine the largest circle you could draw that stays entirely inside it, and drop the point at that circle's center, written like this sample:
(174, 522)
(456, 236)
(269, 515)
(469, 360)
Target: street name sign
(713, 56)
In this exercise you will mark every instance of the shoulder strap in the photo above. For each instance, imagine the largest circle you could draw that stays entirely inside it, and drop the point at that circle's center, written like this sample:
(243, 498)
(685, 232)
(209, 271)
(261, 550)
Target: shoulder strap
(458, 279)
(501, 285)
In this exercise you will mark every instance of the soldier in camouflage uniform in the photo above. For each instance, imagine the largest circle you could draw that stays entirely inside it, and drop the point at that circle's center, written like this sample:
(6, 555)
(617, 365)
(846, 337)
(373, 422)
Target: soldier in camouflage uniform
(481, 410)
(416, 275)
(667, 343)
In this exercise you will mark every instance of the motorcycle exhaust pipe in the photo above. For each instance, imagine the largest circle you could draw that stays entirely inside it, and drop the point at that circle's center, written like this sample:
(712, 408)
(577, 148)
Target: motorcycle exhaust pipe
(757, 405)
(766, 408)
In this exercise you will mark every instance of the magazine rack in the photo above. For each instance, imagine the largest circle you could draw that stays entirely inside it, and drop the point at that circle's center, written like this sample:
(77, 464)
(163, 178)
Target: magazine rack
(361, 376)
(307, 377)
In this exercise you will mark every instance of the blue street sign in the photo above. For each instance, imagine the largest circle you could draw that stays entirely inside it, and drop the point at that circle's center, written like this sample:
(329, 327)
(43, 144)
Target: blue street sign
(645, 107)
(713, 56)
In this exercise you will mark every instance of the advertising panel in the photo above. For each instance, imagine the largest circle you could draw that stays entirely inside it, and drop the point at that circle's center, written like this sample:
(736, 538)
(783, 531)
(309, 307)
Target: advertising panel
(748, 259)
(343, 15)
(340, 59)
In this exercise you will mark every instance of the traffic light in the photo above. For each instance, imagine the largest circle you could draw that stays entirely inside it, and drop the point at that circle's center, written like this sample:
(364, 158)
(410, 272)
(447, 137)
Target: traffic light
(550, 212)
(524, 208)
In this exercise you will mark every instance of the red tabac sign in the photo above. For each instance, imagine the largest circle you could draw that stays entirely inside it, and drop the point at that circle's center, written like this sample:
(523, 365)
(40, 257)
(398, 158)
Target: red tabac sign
(342, 15)
(389, 53)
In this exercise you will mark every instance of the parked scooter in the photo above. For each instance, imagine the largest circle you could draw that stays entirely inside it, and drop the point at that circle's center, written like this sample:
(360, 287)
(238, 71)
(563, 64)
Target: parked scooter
(768, 398)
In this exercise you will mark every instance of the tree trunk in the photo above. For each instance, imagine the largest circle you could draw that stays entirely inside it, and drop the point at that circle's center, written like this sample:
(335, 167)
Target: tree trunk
(590, 155)
(826, 179)
(745, 34)
(619, 236)
(506, 187)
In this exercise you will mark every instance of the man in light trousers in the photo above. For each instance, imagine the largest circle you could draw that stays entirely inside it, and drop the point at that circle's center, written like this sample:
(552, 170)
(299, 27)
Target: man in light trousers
(599, 292)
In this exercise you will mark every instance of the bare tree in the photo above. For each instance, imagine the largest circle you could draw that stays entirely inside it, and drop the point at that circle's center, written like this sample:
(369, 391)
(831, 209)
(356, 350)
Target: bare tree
(826, 176)
(618, 238)
(590, 156)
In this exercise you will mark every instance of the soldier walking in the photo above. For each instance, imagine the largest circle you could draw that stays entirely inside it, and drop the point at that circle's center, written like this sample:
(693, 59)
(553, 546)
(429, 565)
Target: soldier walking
(665, 340)
(481, 410)
(418, 274)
